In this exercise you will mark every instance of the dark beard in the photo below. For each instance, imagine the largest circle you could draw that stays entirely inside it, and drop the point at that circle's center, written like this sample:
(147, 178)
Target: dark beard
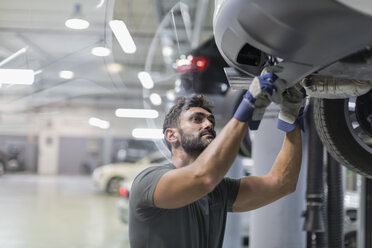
(194, 145)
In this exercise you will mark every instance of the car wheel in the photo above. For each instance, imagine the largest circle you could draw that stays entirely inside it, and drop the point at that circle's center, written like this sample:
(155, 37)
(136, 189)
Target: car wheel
(2, 168)
(13, 165)
(113, 186)
(351, 240)
(345, 128)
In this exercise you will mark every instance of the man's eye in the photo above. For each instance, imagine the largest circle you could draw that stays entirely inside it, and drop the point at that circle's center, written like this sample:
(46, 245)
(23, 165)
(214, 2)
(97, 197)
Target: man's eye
(196, 119)
(212, 121)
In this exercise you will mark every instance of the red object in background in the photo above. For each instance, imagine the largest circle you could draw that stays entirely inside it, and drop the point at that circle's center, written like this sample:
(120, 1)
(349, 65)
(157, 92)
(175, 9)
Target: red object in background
(195, 64)
(124, 192)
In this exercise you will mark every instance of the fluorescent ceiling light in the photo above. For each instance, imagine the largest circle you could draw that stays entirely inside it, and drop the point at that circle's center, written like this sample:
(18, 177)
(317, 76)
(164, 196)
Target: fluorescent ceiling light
(13, 56)
(66, 74)
(145, 80)
(38, 72)
(147, 133)
(123, 36)
(17, 76)
(101, 51)
(77, 23)
(155, 99)
(137, 113)
(167, 51)
(100, 4)
(114, 68)
(95, 122)
(171, 95)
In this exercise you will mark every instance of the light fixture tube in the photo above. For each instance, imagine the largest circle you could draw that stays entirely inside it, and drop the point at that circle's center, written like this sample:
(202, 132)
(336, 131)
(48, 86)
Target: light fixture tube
(95, 122)
(13, 56)
(17, 76)
(123, 36)
(147, 133)
(77, 23)
(101, 51)
(38, 72)
(100, 4)
(137, 113)
(155, 99)
(66, 74)
(146, 80)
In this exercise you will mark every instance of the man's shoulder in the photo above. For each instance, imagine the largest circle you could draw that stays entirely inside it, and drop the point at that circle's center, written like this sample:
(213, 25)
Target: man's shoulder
(168, 166)
(154, 170)
(144, 184)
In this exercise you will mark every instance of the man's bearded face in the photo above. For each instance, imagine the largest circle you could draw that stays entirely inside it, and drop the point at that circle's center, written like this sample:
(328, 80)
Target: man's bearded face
(195, 143)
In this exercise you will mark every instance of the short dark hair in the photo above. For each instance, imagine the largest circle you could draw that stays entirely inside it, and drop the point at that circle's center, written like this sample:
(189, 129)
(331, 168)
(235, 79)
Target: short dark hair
(172, 119)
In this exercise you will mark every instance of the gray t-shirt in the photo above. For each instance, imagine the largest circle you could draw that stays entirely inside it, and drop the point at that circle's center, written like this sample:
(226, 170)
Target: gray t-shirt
(200, 224)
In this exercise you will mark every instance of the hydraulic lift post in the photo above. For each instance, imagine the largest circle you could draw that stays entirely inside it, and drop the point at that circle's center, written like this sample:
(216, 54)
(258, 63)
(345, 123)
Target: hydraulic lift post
(365, 214)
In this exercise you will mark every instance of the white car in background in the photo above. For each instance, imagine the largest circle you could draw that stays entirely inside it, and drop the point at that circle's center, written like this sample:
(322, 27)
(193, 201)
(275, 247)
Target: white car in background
(108, 178)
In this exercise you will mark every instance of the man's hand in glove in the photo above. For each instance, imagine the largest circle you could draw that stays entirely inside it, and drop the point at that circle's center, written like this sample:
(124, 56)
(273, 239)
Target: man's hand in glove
(291, 108)
(256, 99)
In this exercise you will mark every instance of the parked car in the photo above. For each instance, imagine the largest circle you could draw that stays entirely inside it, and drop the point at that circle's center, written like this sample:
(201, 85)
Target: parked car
(325, 45)
(108, 178)
(2, 168)
(351, 206)
(3, 163)
(122, 205)
(14, 162)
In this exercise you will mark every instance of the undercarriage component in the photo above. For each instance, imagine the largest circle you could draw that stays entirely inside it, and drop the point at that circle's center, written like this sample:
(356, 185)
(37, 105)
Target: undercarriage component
(237, 80)
(334, 88)
(317, 86)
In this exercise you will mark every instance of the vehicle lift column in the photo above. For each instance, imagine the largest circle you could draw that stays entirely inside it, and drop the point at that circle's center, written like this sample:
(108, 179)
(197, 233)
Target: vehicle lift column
(278, 224)
(365, 214)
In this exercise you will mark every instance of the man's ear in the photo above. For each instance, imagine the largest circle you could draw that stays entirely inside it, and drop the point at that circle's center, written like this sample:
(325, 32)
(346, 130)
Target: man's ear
(171, 135)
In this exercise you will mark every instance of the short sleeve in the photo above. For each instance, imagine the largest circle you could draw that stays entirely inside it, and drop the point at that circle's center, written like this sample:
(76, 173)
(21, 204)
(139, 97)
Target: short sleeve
(226, 192)
(143, 187)
(232, 186)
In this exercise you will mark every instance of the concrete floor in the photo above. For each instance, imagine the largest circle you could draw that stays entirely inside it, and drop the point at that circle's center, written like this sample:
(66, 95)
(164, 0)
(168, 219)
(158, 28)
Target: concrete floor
(57, 212)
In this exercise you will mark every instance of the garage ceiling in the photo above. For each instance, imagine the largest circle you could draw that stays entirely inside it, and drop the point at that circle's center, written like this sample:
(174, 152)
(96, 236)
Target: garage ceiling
(161, 30)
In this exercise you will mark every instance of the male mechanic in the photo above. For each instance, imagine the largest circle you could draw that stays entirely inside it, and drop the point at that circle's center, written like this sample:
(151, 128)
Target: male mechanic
(184, 204)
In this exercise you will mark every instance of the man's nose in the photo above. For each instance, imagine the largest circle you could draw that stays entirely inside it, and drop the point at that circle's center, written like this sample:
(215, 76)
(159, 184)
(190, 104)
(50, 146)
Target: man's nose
(208, 124)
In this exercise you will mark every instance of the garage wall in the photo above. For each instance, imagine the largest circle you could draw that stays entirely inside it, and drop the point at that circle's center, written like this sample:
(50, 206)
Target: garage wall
(82, 155)
(79, 155)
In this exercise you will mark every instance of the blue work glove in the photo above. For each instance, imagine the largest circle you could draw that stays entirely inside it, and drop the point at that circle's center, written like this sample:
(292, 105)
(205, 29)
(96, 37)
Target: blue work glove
(291, 108)
(256, 100)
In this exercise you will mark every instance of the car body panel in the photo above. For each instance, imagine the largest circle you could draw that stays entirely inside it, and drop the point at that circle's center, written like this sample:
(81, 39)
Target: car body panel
(324, 45)
(306, 35)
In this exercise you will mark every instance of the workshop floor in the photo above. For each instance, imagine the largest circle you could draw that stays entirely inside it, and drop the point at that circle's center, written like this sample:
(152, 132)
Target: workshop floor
(57, 212)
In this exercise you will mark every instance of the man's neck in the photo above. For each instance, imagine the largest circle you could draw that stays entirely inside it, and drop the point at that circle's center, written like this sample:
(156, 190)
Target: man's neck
(180, 158)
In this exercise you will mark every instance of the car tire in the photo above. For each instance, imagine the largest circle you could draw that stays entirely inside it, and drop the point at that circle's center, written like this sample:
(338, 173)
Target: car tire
(13, 165)
(113, 186)
(335, 123)
(350, 240)
(2, 168)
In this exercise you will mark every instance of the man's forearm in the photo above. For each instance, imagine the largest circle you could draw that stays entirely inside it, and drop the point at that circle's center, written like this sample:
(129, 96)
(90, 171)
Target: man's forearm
(217, 158)
(288, 163)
